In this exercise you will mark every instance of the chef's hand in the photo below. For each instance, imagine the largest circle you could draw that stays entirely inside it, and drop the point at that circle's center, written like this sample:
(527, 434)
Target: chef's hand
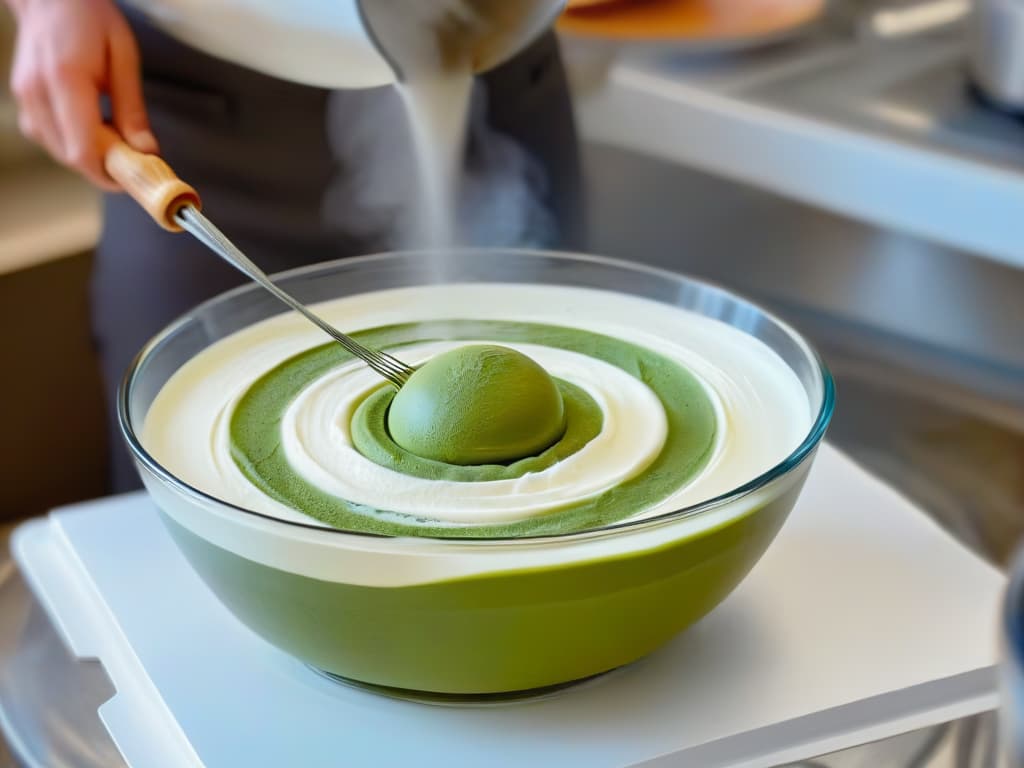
(68, 53)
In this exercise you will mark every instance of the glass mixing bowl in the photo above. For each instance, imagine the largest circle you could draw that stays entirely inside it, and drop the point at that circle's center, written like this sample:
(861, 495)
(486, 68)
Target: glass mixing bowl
(524, 613)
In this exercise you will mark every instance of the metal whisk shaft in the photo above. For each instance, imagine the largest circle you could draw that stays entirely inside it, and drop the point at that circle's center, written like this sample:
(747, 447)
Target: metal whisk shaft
(191, 220)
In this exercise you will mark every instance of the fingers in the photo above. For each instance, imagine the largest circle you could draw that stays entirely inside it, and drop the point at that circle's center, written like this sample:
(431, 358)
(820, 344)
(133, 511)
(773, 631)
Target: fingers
(59, 109)
(130, 117)
(77, 111)
(67, 54)
(35, 117)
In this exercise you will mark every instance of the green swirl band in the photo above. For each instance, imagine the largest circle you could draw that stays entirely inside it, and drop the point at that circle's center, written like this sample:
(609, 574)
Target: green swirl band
(255, 431)
(370, 436)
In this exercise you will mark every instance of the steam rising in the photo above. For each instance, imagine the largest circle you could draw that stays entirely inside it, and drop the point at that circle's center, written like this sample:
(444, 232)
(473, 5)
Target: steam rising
(376, 193)
(502, 192)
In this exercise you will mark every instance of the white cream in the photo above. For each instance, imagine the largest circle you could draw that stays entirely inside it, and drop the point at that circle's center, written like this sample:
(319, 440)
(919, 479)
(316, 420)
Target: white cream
(763, 411)
(318, 444)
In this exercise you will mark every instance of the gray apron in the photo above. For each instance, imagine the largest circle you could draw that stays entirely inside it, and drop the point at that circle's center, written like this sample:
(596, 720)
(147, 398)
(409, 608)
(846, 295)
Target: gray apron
(279, 166)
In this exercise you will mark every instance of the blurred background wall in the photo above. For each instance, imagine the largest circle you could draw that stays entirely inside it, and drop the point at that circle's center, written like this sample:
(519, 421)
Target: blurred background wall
(53, 450)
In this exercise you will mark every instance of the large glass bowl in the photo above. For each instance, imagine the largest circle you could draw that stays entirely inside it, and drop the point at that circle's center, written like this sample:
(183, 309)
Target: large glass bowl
(586, 603)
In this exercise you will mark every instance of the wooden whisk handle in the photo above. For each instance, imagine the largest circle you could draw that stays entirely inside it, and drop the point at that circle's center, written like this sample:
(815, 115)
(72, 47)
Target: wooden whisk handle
(148, 180)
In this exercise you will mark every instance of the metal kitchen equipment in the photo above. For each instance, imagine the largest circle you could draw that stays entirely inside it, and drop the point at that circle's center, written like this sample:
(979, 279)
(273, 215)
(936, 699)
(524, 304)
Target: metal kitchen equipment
(323, 43)
(997, 51)
(478, 34)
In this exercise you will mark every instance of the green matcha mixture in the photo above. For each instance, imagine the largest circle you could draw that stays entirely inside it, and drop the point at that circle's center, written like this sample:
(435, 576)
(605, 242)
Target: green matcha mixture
(477, 404)
(583, 419)
(256, 441)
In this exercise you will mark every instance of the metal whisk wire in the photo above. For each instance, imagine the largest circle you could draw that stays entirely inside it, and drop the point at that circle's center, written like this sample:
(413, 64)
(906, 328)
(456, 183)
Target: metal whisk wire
(191, 220)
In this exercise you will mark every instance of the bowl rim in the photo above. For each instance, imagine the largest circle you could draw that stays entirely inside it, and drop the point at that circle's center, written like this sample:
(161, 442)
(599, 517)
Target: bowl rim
(806, 447)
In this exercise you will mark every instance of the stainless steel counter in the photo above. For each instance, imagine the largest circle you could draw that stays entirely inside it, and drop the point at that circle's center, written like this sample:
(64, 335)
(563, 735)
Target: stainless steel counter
(925, 341)
(885, 131)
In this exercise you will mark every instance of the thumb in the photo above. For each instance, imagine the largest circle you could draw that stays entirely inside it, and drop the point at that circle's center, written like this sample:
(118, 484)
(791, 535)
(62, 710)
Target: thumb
(130, 117)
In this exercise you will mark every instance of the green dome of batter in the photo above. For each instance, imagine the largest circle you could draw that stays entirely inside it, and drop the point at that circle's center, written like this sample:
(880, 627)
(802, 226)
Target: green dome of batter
(478, 404)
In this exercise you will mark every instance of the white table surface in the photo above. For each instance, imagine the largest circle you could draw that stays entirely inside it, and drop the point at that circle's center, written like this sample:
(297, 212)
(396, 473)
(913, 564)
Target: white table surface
(863, 620)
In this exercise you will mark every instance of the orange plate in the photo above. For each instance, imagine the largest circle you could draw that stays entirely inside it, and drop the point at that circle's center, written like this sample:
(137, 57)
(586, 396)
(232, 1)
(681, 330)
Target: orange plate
(574, 4)
(699, 21)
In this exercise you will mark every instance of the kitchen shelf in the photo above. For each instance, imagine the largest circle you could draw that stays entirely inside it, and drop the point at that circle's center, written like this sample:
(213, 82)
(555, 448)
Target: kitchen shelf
(883, 131)
(46, 213)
